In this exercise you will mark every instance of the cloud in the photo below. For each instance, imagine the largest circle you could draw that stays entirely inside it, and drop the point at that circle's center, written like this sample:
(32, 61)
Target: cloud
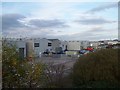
(15, 25)
(47, 23)
(50, 19)
(11, 21)
(96, 33)
(102, 8)
(93, 21)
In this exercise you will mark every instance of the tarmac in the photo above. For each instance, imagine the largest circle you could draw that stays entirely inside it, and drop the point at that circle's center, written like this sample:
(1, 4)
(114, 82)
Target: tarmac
(59, 59)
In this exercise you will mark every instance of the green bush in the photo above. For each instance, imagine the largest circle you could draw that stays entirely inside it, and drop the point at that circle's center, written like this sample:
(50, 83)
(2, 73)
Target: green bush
(98, 69)
(17, 73)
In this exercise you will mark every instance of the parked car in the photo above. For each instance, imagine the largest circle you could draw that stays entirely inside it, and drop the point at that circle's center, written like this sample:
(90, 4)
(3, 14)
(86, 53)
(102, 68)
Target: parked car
(83, 51)
(45, 52)
(87, 51)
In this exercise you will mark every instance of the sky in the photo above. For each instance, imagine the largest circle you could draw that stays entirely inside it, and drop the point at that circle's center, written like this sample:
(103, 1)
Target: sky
(61, 20)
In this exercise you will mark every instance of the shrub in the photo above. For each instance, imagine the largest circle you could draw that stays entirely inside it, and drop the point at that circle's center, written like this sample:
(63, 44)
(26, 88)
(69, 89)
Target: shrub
(98, 69)
(17, 73)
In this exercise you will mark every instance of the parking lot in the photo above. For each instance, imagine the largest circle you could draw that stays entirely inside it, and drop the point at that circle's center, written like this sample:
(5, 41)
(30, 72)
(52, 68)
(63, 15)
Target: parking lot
(57, 59)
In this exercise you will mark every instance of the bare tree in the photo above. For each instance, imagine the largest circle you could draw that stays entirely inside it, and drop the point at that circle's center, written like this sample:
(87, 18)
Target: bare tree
(54, 75)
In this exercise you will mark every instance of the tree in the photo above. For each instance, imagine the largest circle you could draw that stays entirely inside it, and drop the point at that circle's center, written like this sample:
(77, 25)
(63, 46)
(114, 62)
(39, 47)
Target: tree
(34, 75)
(10, 62)
(54, 75)
(19, 73)
(98, 69)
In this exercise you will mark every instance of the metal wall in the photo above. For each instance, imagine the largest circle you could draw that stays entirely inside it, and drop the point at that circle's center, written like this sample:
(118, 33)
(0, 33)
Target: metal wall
(43, 46)
(29, 48)
(74, 45)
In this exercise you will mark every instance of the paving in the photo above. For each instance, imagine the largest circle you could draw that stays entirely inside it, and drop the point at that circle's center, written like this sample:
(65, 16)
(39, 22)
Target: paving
(60, 59)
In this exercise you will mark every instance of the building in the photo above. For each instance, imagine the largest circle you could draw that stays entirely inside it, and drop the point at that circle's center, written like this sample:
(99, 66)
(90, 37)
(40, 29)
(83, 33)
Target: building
(77, 45)
(42, 45)
(73, 45)
(21, 46)
(85, 44)
(64, 45)
(112, 42)
(18, 43)
(94, 44)
(37, 46)
(30, 48)
(55, 43)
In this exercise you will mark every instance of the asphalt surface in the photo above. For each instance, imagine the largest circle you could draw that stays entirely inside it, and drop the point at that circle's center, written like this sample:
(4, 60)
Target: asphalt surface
(68, 61)
(65, 60)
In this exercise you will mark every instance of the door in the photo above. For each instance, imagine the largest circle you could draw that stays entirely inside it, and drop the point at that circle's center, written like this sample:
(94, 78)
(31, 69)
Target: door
(21, 53)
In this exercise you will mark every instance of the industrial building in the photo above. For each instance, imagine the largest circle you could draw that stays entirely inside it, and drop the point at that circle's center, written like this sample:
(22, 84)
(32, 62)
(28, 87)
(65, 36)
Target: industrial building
(74, 45)
(85, 44)
(20, 45)
(64, 45)
(42, 45)
(36, 46)
(95, 44)
(55, 44)
(77, 45)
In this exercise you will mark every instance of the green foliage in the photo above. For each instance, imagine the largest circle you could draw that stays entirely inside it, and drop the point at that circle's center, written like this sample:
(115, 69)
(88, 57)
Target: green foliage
(98, 69)
(17, 73)
(9, 64)
(34, 75)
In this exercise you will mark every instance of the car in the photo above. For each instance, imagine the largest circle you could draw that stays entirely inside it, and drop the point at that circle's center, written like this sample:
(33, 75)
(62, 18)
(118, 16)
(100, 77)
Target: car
(45, 52)
(83, 51)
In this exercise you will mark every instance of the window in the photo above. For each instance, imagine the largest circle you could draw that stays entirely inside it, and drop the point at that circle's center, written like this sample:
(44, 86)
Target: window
(49, 44)
(36, 44)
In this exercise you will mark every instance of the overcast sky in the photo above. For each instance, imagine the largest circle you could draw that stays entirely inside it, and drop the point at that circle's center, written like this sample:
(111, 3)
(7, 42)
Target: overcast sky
(62, 20)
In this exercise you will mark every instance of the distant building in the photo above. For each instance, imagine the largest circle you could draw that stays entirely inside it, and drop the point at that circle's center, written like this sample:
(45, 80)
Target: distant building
(115, 46)
(36, 46)
(21, 46)
(64, 45)
(94, 44)
(78, 45)
(18, 43)
(85, 44)
(112, 42)
(73, 45)
(55, 43)
(42, 45)
(29, 48)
